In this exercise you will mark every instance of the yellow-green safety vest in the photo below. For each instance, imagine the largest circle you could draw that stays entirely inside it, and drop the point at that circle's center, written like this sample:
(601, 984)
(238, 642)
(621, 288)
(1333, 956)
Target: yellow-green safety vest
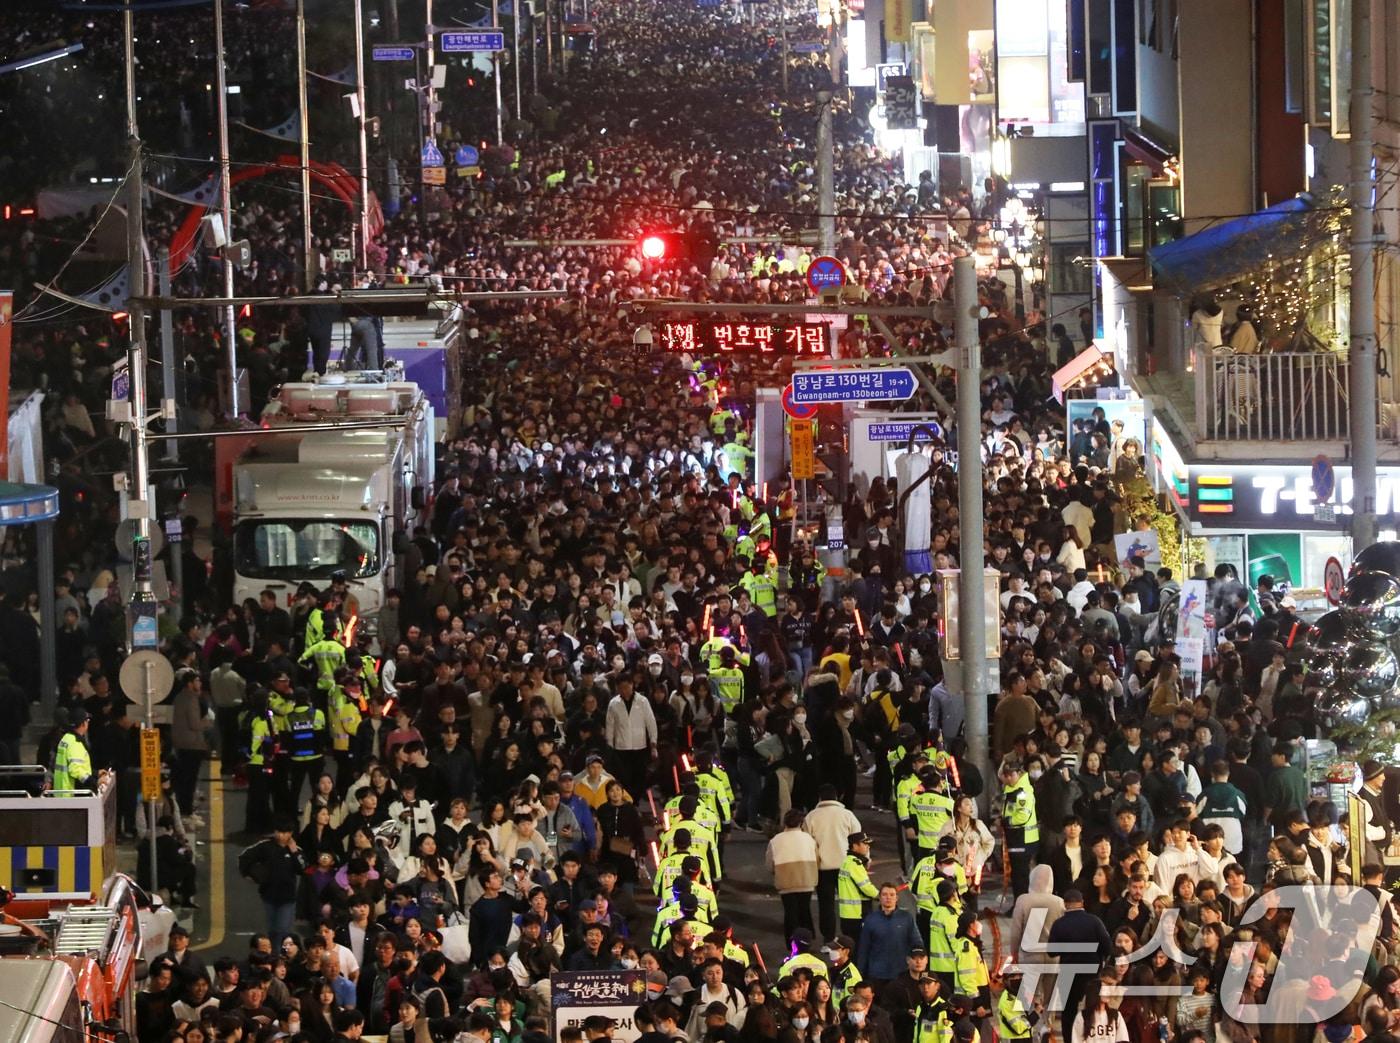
(844, 980)
(930, 810)
(763, 589)
(942, 925)
(1011, 1019)
(932, 1024)
(815, 964)
(1018, 809)
(72, 764)
(729, 686)
(969, 972)
(854, 889)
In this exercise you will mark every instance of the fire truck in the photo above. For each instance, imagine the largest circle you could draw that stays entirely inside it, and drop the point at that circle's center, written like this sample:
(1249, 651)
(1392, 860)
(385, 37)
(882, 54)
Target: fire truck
(76, 935)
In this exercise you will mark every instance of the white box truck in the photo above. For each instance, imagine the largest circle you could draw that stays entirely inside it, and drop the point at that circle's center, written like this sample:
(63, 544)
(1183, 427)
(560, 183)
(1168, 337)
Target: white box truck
(309, 503)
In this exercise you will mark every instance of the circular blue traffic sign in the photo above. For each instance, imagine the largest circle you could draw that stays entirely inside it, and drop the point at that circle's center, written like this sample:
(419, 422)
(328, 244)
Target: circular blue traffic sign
(467, 156)
(826, 273)
(793, 409)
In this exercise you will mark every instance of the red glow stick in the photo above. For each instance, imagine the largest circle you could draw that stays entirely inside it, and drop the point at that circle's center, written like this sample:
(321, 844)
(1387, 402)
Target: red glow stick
(652, 801)
(899, 653)
(953, 767)
(655, 860)
(685, 760)
(676, 777)
(860, 626)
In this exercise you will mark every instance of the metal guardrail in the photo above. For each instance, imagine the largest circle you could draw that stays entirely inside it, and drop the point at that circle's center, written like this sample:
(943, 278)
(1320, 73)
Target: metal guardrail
(1279, 396)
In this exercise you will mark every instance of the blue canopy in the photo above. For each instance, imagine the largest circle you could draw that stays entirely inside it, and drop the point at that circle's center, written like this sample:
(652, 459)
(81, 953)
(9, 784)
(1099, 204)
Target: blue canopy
(1226, 252)
(23, 504)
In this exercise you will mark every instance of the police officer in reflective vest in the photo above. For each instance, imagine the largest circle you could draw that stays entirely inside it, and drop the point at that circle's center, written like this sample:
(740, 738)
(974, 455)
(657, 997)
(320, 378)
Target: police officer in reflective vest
(906, 784)
(969, 969)
(762, 584)
(931, 808)
(845, 975)
(854, 888)
(1013, 1021)
(728, 680)
(262, 744)
(801, 941)
(932, 1023)
(72, 764)
(306, 744)
(943, 927)
(1019, 820)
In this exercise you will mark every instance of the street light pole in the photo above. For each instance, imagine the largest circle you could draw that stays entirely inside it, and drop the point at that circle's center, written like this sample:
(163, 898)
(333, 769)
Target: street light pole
(971, 623)
(141, 610)
(364, 141)
(496, 72)
(226, 209)
(1363, 284)
(303, 125)
(826, 175)
(515, 52)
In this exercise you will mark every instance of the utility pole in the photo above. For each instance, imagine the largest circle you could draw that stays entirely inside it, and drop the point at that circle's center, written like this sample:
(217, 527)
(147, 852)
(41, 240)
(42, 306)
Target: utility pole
(364, 142)
(1362, 407)
(308, 253)
(971, 623)
(548, 36)
(496, 72)
(515, 53)
(226, 210)
(826, 175)
(826, 143)
(782, 27)
(141, 613)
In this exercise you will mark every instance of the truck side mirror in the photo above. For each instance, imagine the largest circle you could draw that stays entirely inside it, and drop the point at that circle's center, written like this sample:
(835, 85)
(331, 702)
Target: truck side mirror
(417, 497)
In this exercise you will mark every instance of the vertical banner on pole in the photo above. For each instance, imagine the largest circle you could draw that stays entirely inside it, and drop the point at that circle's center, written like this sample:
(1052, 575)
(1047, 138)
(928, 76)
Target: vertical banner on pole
(7, 308)
(804, 456)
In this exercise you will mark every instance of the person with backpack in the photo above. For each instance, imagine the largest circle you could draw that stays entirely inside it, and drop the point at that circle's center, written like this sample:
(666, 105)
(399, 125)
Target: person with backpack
(305, 742)
(275, 865)
(427, 985)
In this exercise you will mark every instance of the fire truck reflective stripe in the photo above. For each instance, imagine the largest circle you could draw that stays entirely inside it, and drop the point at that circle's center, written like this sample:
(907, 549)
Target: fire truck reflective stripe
(73, 868)
(66, 864)
(82, 868)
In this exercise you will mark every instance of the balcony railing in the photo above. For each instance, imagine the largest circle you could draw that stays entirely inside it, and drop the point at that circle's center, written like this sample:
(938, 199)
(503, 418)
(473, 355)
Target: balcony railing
(1279, 396)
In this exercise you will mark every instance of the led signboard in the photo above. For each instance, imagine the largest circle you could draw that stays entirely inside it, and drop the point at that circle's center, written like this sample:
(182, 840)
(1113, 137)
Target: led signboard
(703, 337)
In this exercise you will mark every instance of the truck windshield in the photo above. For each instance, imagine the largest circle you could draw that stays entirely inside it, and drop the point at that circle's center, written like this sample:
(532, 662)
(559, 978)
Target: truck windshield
(311, 548)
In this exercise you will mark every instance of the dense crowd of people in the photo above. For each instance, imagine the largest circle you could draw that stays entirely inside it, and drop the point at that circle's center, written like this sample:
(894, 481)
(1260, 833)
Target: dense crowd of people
(613, 655)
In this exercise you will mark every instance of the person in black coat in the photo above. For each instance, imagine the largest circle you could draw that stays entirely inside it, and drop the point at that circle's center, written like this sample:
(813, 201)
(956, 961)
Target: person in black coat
(1068, 937)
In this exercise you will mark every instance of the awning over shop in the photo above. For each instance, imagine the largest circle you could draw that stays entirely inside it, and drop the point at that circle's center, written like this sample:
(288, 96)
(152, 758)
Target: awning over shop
(1079, 369)
(1226, 252)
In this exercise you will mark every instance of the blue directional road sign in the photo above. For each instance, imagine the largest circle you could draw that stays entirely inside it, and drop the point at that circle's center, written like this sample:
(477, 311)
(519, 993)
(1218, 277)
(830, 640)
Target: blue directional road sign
(898, 430)
(466, 156)
(392, 54)
(853, 385)
(431, 155)
(480, 40)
